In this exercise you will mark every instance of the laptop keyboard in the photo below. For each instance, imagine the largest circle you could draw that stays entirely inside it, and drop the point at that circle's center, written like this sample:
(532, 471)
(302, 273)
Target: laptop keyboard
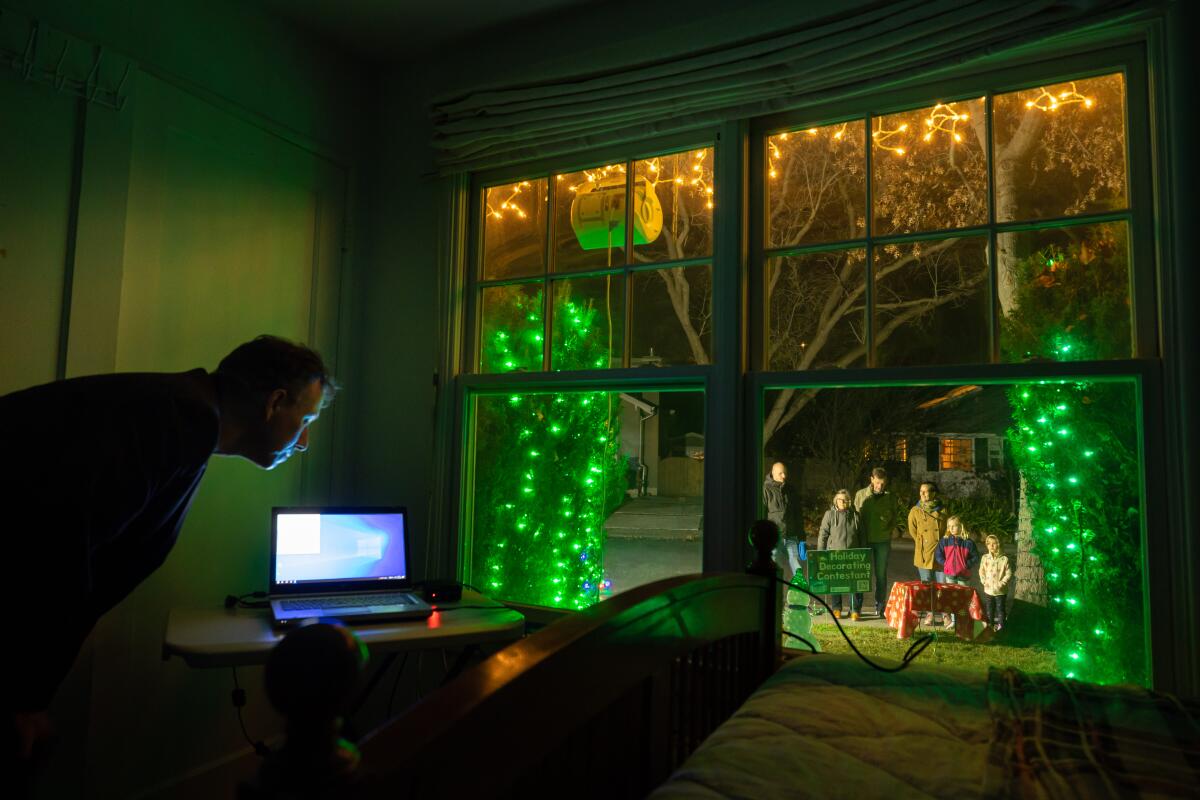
(350, 601)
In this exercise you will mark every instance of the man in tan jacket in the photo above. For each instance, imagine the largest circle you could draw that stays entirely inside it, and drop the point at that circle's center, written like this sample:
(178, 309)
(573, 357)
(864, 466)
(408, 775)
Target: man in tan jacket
(926, 527)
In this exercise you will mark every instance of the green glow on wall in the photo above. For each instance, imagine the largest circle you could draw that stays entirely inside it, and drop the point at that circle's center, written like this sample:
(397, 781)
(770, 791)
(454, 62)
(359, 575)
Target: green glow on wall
(1076, 445)
(548, 471)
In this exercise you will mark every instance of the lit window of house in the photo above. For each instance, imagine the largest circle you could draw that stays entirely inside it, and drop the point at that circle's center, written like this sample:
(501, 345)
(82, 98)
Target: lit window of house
(957, 454)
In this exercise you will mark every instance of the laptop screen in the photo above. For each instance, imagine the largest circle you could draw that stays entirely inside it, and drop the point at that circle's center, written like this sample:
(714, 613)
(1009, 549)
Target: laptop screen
(327, 549)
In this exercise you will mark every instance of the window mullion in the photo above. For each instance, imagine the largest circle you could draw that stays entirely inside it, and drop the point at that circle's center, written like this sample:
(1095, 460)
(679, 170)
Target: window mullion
(627, 285)
(547, 270)
(993, 254)
(869, 265)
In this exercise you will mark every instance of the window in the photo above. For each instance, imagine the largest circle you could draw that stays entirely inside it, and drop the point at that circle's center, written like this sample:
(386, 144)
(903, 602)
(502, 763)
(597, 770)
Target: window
(1072, 477)
(921, 269)
(957, 454)
(628, 261)
(889, 239)
(576, 495)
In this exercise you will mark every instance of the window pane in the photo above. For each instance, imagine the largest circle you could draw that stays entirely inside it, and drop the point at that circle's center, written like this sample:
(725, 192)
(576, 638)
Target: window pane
(589, 218)
(958, 454)
(816, 185)
(931, 303)
(929, 168)
(578, 495)
(673, 207)
(1064, 293)
(589, 321)
(672, 316)
(1066, 508)
(512, 328)
(816, 306)
(1060, 149)
(514, 230)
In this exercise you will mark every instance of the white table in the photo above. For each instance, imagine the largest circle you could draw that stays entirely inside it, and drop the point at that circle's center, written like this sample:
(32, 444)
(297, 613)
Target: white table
(219, 637)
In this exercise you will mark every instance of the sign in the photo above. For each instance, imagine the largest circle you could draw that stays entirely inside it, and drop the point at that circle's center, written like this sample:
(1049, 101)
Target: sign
(839, 571)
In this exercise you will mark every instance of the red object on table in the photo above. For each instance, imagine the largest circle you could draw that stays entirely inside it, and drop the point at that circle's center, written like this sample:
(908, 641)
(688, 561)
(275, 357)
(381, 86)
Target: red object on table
(909, 597)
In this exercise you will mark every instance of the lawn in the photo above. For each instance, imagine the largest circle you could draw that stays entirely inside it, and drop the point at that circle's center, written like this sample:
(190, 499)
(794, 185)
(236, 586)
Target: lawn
(946, 650)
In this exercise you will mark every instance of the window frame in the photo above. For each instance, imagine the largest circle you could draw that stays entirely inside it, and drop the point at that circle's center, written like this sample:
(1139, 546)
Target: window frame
(1128, 60)
(734, 384)
(717, 379)
(548, 168)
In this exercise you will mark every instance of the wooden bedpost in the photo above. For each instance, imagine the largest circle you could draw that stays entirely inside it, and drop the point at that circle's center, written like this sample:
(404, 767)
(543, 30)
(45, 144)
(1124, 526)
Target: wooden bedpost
(764, 536)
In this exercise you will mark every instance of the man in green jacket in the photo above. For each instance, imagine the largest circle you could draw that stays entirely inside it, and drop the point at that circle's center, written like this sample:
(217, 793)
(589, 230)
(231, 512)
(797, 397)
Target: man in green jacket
(879, 517)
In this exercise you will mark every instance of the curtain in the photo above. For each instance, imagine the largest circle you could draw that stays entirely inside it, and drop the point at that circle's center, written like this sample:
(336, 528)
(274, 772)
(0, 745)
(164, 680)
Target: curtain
(841, 55)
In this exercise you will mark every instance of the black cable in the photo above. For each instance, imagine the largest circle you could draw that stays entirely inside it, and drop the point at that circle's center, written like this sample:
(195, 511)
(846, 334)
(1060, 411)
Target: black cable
(239, 601)
(458, 608)
(372, 683)
(500, 603)
(396, 683)
(913, 651)
(417, 683)
(239, 700)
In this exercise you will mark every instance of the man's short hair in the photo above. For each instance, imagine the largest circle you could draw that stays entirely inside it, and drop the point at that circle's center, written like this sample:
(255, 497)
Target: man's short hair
(267, 363)
(931, 485)
(879, 472)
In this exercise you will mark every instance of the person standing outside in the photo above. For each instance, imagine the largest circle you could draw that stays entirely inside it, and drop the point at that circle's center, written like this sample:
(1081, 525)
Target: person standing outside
(840, 530)
(958, 556)
(994, 574)
(878, 515)
(926, 527)
(778, 498)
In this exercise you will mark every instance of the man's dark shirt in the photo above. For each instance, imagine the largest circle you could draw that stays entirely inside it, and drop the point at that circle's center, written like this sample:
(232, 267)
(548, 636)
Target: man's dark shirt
(782, 508)
(97, 478)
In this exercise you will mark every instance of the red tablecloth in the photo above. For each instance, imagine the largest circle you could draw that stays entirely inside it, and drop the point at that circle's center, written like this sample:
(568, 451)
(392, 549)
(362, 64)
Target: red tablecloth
(910, 597)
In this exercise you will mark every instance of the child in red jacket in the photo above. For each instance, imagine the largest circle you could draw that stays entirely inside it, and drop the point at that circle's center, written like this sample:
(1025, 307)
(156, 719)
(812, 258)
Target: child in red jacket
(958, 556)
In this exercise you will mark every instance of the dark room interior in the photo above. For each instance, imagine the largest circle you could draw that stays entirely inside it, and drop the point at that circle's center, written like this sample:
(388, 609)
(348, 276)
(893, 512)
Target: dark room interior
(585, 272)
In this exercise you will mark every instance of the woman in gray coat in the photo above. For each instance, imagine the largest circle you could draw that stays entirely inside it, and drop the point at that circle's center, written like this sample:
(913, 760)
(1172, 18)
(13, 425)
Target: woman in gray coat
(840, 530)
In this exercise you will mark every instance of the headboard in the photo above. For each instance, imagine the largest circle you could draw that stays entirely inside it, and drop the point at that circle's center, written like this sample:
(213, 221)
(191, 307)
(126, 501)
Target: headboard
(603, 703)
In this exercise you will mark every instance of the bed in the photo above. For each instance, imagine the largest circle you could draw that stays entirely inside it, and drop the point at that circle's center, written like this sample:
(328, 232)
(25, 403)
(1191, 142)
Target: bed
(675, 691)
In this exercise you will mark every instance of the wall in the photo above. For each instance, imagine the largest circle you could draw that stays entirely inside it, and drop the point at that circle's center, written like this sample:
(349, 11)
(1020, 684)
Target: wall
(210, 208)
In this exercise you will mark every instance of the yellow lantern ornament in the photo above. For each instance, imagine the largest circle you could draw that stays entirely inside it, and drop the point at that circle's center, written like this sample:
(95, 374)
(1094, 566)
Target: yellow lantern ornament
(598, 213)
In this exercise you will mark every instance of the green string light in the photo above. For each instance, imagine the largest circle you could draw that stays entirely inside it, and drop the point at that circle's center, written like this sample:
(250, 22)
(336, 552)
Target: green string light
(530, 548)
(1084, 507)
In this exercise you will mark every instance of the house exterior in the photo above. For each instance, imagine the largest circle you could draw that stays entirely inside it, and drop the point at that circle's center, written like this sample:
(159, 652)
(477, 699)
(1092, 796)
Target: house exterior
(961, 463)
(964, 452)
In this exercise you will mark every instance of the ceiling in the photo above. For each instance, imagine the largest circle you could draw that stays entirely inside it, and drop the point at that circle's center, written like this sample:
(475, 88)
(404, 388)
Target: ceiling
(397, 30)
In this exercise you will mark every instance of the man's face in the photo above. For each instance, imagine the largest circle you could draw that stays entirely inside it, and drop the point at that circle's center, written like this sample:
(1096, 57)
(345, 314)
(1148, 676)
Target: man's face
(778, 472)
(878, 484)
(286, 424)
(928, 492)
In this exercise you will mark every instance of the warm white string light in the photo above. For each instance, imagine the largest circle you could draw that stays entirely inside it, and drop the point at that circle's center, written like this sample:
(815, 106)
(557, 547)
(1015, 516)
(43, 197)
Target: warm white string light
(509, 204)
(1046, 101)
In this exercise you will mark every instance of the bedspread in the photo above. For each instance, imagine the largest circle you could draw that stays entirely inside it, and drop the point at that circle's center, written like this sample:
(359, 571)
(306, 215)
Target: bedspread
(826, 726)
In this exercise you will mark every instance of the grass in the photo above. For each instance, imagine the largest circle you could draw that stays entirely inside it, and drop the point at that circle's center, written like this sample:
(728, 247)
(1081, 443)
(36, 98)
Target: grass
(946, 650)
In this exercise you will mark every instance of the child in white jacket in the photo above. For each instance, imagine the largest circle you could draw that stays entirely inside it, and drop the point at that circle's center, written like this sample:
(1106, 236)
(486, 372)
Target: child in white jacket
(994, 574)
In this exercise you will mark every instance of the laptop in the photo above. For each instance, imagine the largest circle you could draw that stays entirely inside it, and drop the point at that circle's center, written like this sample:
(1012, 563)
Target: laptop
(347, 563)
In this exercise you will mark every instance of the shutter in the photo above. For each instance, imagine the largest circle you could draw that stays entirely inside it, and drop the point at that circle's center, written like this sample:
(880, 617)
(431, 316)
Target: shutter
(981, 455)
(933, 454)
